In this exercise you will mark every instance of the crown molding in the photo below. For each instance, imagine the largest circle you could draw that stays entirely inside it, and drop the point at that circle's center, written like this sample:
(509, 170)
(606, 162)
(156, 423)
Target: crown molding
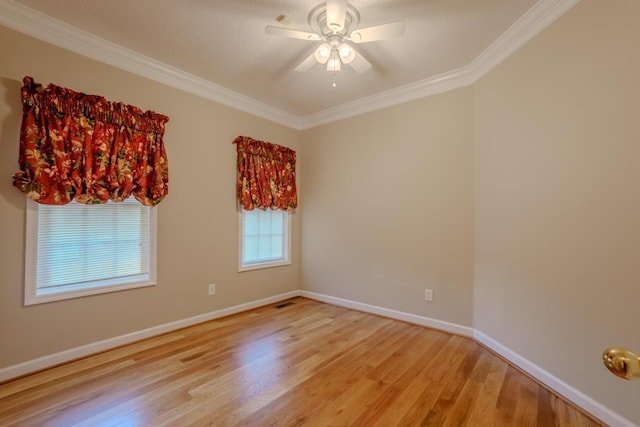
(36, 24)
(40, 26)
(410, 92)
(533, 22)
(536, 19)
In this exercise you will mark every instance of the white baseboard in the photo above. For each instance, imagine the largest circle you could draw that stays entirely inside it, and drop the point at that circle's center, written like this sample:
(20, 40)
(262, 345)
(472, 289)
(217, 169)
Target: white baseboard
(96, 347)
(394, 314)
(558, 386)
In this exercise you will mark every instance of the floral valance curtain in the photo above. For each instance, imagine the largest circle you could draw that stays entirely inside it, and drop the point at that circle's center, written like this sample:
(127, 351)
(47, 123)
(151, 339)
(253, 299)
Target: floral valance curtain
(82, 147)
(266, 175)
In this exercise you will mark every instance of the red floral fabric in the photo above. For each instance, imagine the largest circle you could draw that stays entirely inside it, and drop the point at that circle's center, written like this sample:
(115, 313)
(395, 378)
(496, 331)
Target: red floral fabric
(266, 175)
(83, 147)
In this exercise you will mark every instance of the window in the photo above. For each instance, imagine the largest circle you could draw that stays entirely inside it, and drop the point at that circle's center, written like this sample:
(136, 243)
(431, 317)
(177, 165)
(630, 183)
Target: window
(264, 238)
(76, 250)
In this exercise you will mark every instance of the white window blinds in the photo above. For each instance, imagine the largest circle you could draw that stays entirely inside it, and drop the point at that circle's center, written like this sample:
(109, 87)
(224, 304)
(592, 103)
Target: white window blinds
(79, 247)
(264, 238)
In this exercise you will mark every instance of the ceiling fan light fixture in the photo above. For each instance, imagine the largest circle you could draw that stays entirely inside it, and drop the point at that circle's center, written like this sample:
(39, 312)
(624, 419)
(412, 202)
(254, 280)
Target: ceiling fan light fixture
(335, 24)
(334, 63)
(322, 53)
(347, 53)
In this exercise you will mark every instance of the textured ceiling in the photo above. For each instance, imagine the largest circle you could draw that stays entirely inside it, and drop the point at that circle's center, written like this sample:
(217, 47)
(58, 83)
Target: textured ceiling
(223, 41)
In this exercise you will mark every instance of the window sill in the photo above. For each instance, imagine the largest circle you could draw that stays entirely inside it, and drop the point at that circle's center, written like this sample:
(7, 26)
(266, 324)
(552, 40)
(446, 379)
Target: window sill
(259, 266)
(59, 296)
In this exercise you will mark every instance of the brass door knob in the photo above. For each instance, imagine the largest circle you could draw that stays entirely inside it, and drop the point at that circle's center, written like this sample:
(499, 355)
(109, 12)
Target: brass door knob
(622, 362)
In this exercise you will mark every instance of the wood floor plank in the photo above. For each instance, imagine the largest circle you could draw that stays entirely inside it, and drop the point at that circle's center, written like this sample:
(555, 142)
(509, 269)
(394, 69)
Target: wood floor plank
(337, 371)
(305, 364)
(340, 337)
(484, 410)
(387, 405)
(421, 396)
(466, 399)
(527, 406)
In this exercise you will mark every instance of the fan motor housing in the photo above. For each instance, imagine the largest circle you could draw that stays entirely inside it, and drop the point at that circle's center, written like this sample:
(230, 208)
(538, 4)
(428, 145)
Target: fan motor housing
(318, 21)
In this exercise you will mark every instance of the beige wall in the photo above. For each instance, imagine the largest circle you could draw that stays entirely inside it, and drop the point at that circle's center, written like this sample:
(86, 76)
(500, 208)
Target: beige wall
(197, 231)
(542, 155)
(524, 194)
(388, 207)
(557, 198)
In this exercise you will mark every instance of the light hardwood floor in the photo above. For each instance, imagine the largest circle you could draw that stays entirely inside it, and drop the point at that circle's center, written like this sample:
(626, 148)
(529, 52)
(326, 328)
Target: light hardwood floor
(307, 363)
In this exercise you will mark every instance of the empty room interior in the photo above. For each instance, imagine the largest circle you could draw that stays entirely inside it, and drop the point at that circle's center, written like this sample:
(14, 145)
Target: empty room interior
(457, 216)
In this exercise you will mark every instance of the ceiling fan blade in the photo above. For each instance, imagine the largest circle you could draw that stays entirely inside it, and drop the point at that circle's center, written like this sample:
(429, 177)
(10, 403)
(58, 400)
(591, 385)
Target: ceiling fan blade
(360, 64)
(336, 14)
(305, 65)
(292, 34)
(378, 32)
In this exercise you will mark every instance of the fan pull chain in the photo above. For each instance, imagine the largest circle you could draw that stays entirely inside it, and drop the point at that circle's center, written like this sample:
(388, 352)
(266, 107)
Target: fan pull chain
(334, 79)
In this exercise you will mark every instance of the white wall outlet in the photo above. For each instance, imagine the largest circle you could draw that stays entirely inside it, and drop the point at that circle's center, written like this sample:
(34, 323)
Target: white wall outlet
(212, 288)
(428, 294)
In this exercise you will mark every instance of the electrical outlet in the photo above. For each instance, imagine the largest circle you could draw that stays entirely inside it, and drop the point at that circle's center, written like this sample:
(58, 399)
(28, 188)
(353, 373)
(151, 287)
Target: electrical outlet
(212, 288)
(428, 294)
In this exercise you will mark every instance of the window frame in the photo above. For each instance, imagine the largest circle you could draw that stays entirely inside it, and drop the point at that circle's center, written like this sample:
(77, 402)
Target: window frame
(286, 259)
(31, 296)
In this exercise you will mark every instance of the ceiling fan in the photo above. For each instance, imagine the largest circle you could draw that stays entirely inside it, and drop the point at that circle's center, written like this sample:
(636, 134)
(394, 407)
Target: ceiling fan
(335, 23)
